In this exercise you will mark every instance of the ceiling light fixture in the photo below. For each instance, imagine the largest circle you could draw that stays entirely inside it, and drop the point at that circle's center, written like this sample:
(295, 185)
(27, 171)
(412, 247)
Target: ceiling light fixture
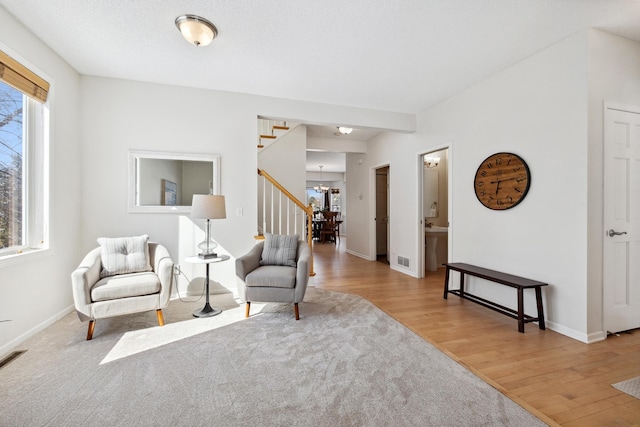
(196, 30)
(321, 188)
(344, 130)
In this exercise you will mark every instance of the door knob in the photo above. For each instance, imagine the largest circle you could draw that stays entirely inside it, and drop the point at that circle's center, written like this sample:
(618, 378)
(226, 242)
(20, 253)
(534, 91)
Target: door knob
(612, 233)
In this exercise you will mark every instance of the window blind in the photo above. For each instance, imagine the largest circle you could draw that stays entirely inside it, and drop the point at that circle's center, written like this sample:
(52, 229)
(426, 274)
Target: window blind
(21, 78)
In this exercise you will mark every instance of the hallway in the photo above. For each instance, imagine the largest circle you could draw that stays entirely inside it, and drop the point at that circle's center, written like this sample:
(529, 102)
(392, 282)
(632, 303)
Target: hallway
(560, 380)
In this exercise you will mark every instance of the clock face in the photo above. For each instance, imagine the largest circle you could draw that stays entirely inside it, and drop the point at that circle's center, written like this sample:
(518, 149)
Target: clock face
(502, 180)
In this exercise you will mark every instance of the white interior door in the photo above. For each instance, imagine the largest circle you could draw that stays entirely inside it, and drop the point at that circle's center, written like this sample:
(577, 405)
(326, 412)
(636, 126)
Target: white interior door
(621, 249)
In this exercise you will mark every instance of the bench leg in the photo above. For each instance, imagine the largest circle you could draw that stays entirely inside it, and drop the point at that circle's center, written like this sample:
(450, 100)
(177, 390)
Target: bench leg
(461, 284)
(540, 308)
(520, 310)
(446, 283)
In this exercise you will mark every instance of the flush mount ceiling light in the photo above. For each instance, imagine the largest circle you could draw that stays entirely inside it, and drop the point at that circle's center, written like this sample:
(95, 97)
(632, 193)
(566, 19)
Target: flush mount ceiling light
(344, 130)
(196, 30)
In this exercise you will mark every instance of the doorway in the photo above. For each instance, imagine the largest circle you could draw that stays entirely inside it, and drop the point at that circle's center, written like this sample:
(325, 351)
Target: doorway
(382, 214)
(434, 210)
(621, 245)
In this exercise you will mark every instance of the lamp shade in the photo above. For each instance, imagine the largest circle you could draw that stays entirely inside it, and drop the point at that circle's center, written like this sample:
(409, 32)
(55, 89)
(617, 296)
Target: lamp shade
(206, 206)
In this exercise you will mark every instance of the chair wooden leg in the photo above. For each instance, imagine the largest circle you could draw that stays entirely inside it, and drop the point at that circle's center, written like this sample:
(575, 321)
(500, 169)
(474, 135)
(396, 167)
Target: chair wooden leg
(92, 327)
(160, 317)
(295, 309)
(246, 310)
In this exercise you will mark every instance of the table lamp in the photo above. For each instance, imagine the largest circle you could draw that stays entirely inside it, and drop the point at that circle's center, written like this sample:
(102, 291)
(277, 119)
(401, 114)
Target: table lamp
(207, 206)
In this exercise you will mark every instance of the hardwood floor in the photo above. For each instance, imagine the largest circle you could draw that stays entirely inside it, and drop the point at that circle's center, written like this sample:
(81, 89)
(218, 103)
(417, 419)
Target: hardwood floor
(560, 380)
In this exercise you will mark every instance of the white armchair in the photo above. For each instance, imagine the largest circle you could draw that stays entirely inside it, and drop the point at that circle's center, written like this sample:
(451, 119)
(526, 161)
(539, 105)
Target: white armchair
(99, 297)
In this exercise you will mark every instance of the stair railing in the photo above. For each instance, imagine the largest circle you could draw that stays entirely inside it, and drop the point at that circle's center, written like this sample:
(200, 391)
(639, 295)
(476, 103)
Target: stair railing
(280, 212)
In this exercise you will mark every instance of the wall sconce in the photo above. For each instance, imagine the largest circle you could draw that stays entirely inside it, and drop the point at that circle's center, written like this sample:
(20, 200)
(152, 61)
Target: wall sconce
(431, 162)
(196, 30)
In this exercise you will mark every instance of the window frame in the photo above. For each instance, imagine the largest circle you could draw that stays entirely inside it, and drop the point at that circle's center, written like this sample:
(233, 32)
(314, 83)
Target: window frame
(35, 178)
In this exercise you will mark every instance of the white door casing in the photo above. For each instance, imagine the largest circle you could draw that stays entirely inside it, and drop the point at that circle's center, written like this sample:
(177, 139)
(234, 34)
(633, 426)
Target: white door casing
(621, 248)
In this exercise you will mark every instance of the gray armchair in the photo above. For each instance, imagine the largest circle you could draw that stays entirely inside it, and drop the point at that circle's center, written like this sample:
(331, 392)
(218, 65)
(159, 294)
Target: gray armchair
(273, 283)
(116, 295)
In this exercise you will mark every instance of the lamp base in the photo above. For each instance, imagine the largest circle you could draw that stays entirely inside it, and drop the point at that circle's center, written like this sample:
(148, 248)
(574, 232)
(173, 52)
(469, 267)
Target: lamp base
(207, 256)
(207, 311)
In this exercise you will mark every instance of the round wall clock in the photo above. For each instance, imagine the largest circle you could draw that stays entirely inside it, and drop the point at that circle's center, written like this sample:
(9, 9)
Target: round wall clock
(502, 181)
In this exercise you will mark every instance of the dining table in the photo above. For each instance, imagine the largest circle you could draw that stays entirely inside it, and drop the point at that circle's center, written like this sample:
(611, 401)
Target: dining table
(318, 226)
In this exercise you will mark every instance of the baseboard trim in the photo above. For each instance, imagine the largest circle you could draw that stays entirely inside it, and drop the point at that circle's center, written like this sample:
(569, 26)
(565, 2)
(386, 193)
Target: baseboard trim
(571, 333)
(359, 255)
(403, 270)
(11, 345)
(596, 336)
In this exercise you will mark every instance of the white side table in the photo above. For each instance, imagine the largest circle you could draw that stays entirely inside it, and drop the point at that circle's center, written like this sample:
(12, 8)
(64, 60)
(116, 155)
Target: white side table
(207, 310)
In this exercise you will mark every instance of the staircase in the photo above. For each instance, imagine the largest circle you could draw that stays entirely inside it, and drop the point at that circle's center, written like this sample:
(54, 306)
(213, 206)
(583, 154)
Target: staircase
(269, 130)
(280, 212)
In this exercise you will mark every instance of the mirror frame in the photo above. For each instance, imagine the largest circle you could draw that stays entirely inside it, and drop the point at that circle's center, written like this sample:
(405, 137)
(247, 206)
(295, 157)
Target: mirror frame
(135, 155)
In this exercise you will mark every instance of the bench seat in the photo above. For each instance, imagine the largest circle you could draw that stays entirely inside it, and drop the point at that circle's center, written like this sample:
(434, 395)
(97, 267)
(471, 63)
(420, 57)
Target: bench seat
(517, 282)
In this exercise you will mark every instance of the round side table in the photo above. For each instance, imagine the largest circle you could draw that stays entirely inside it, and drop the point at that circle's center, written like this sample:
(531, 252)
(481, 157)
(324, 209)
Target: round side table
(207, 310)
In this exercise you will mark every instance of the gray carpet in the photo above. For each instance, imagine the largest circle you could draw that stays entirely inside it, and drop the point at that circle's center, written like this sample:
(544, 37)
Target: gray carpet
(344, 363)
(631, 387)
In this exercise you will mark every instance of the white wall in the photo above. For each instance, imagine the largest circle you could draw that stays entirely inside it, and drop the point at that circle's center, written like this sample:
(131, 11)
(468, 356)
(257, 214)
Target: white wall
(359, 216)
(285, 160)
(94, 122)
(336, 145)
(119, 115)
(537, 109)
(614, 76)
(338, 180)
(36, 288)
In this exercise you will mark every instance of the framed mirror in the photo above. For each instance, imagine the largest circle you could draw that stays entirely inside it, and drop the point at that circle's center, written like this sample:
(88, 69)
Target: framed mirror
(166, 182)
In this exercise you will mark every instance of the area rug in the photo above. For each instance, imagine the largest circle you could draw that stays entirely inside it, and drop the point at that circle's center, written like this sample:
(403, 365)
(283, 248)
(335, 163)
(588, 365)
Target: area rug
(631, 387)
(344, 363)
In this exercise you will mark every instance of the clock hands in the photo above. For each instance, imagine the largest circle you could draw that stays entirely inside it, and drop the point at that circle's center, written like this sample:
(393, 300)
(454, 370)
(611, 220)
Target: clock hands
(498, 181)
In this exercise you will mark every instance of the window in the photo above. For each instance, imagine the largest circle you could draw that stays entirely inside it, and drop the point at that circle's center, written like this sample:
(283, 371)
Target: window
(11, 156)
(23, 153)
(314, 199)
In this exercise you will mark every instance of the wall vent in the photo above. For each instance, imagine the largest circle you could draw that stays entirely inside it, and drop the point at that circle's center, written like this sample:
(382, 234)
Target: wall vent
(11, 357)
(404, 261)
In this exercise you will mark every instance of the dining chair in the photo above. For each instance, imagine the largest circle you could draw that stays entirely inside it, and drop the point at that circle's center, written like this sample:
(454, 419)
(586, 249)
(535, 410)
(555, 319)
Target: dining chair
(330, 227)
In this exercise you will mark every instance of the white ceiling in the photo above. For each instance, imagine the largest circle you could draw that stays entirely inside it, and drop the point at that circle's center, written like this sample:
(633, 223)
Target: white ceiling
(391, 55)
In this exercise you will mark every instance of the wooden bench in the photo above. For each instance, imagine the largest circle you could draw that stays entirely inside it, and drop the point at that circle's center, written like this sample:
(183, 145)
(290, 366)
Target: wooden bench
(519, 283)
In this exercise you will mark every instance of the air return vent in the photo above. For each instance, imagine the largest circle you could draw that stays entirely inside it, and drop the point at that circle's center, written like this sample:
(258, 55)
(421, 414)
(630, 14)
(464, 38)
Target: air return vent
(404, 261)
